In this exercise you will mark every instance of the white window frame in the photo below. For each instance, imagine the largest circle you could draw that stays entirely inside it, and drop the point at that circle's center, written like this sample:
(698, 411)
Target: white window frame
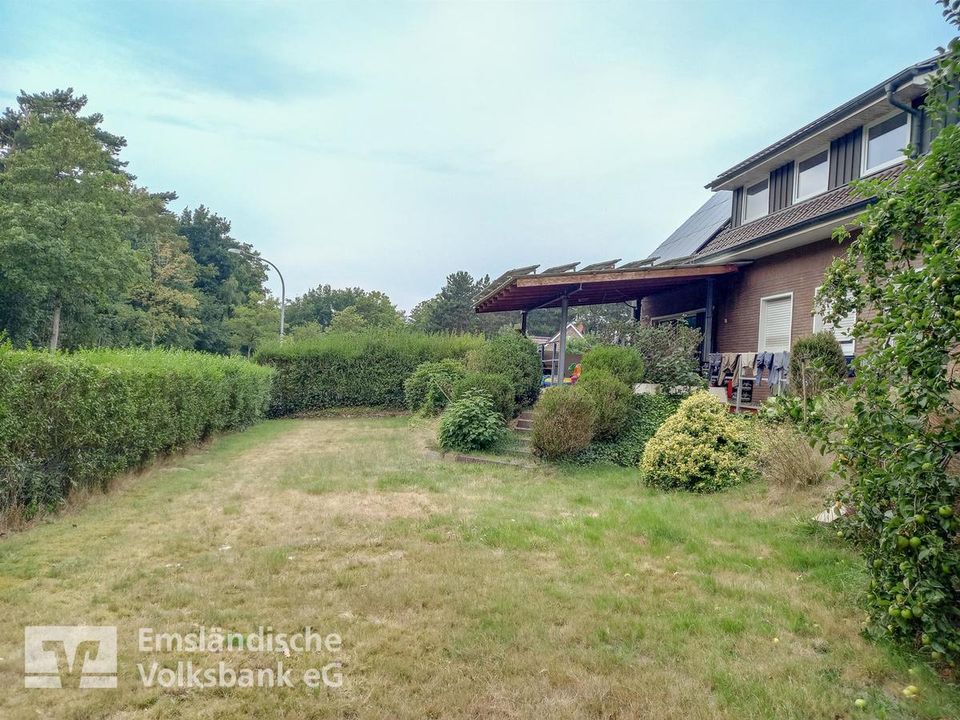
(743, 211)
(865, 142)
(797, 197)
(763, 300)
(819, 320)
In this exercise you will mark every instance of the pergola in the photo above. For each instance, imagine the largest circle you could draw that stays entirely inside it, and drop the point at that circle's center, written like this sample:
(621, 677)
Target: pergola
(561, 286)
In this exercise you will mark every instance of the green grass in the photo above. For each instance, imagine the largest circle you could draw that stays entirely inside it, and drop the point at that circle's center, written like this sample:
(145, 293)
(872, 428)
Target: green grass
(459, 590)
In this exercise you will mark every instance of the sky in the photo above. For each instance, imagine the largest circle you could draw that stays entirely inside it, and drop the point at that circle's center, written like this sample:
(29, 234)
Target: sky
(385, 145)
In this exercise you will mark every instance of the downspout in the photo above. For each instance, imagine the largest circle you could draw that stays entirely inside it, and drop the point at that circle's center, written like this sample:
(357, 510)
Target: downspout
(916, 124)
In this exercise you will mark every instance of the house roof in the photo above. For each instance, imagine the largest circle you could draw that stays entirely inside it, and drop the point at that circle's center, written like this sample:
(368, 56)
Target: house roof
(521, 289)
(864, 99)
(842, 201)
(696, 230)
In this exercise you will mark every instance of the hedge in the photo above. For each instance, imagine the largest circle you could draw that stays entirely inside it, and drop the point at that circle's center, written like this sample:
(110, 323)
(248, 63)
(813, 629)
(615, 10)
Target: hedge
(361, 369)
(75, 420)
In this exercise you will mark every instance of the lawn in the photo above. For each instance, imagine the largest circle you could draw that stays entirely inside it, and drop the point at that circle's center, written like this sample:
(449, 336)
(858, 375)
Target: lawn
(459, 590)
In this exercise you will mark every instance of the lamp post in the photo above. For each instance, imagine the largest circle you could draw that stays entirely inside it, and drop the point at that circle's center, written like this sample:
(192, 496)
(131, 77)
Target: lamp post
(283, 289)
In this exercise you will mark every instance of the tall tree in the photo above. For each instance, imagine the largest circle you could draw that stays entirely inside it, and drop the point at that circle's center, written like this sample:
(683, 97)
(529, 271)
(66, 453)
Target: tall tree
(165, 301)
(323, 302)
(64, 218)
(49, 107)
(451, 309)
(224, 279)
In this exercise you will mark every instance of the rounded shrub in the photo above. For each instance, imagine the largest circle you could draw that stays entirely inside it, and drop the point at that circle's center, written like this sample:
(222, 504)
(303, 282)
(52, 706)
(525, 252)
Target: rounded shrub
(470, 423)
(563, 421)
(624, 363)
(817, 363)
(496, 386)
(430, 387)
(514, 356)
(647, 414)
(612, 399)
(701, 448)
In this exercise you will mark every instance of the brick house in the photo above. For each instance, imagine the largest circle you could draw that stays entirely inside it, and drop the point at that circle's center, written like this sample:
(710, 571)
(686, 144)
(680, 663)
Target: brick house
(782, 205)
(745, 267)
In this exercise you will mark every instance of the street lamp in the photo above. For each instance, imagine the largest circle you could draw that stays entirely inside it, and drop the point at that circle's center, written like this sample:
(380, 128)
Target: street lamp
(283, 289)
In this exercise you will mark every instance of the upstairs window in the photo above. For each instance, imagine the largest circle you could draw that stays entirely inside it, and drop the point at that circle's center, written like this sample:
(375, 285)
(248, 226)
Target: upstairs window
(885, 142)
(756, 201)
(812, 176)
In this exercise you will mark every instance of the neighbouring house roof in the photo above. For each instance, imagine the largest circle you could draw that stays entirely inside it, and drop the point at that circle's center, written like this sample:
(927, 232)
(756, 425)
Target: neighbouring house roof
(572, 329)
(832, 205)
(522, 289)
(863, 100)
(696, 230)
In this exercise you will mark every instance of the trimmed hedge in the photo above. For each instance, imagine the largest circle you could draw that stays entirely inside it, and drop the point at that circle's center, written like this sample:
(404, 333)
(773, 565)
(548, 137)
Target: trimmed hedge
(648, 413)
(362, 369)
(75, 420)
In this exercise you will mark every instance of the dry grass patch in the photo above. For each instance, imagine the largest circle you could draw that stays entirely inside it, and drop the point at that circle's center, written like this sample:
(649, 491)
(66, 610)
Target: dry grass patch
(461, 591)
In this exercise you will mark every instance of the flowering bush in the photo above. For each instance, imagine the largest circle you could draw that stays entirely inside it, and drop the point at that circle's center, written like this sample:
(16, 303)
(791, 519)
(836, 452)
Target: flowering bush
(701, 447)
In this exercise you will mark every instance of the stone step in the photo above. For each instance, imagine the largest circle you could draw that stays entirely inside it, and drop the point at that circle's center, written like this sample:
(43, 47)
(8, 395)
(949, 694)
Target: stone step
(523, 425)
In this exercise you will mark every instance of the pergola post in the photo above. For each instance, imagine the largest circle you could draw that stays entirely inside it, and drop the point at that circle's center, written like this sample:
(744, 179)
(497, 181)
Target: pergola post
(564, 307)
(637, 308)
(523, 323)
(708, 321)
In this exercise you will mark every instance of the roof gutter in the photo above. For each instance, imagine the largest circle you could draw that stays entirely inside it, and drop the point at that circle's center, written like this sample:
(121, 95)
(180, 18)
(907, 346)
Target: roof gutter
(916, 125)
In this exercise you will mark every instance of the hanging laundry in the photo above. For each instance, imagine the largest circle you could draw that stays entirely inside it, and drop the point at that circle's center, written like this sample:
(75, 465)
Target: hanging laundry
(764, 362)
(728, 365)
(779, 370)
(746, 369)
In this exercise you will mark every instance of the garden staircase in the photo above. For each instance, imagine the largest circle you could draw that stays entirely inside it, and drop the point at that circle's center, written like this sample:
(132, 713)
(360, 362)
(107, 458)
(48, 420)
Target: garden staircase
(523, 422)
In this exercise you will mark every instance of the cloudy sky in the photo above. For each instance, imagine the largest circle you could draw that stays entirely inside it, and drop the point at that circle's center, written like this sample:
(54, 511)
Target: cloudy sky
(385, 145)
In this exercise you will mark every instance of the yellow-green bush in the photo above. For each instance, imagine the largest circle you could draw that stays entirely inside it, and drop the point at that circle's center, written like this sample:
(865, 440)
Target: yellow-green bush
(75, 420)
(701, 447)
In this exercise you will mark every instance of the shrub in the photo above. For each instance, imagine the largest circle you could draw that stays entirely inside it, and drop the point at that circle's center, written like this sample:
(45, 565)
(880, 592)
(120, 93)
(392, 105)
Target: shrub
(816, 364)
(75, 420)
(647, 414)
(612, 400)
(701, 447)
(496, 386)
(430, 387)
(563, 421)
(470, 423)
(624, 363)
(513, 355)
(365, 369)
(898, 446)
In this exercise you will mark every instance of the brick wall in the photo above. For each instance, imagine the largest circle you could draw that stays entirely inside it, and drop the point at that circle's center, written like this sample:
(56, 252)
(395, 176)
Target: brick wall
(799, 271)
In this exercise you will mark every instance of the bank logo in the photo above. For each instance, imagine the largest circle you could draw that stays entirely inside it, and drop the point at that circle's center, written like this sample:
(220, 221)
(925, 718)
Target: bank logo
(54, 655)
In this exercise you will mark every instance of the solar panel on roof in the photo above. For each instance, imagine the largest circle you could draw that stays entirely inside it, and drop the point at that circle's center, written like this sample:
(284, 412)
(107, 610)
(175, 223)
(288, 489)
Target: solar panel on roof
(697, 229)
(605, 265)
(560, 268)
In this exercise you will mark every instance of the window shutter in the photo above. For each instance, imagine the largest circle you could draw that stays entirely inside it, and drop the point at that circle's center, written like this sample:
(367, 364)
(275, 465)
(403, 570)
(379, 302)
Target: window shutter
(775, 320)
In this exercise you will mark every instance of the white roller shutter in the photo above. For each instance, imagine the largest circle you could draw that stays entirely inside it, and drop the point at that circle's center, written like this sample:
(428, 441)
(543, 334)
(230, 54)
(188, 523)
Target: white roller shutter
(776, 317)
